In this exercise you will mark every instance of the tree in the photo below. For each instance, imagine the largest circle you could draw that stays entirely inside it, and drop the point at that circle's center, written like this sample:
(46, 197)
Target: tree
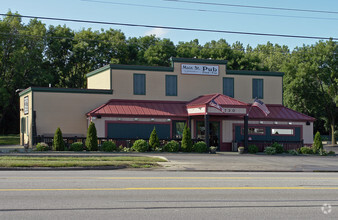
(91, 140)
(311, 82)
(186, 140)
(154, 142)
(159, 53)
(58, 143)
(317, 143)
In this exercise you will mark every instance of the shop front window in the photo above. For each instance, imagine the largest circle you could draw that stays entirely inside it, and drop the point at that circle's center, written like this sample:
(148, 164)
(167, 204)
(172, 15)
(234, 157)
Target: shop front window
(282, 131)
(178, 127)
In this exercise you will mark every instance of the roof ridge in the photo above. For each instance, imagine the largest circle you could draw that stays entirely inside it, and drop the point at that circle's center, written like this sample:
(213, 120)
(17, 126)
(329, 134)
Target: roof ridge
(213, 97)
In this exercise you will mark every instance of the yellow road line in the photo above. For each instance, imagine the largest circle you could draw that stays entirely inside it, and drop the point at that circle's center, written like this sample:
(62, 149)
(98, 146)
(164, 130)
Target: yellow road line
(180, 178)
(175, 188)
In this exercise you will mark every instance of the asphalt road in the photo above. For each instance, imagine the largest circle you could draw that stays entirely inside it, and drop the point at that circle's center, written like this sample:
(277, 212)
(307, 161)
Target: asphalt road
(123, 194)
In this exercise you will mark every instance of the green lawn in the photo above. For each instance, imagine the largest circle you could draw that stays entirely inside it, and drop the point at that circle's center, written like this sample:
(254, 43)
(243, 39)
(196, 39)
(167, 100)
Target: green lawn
(10, 139)
(23, 161)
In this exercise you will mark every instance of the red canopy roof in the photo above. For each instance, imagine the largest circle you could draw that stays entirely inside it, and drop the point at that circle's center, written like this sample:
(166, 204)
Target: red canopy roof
(222, 100)
(152, 108)
(141, 108)
(279, 112)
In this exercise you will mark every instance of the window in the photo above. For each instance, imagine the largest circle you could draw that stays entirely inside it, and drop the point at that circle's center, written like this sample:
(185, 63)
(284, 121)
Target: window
(257, 88)
(178, 127)
(139, 84)
(282, 131)
(23, 125)
(171, 85)
(255, 131)
(228, 86)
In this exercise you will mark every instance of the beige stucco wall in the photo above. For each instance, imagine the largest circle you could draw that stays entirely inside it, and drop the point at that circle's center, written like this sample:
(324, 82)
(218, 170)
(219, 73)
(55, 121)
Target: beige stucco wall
(272, 88)
(26, 137)
(65, 110)
(188, 86)
(99, 81)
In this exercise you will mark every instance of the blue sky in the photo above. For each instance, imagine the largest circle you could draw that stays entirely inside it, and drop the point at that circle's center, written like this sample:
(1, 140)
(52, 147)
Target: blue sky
(227, 18)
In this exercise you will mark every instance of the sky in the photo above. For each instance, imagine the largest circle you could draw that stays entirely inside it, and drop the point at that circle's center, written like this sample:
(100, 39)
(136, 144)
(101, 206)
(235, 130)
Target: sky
(192, 15)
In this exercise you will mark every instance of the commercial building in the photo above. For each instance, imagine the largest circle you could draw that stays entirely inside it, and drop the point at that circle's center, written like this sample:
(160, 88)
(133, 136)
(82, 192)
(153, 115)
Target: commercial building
(127, 101)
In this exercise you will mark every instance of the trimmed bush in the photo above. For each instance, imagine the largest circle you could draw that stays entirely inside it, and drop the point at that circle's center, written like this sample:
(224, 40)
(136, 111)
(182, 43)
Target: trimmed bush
(252, 149)
(91, 140)
(140, 146)
(331, 153)
(108, 146)
(154, 142)
(279, 148)
(306, 150)
(200, 147)
(42, 147)
(172, 146)
(186, 145)
(293, 152)
(270, 150)
(77, 146)
(120, 148)
(58, 143)
(317, 143)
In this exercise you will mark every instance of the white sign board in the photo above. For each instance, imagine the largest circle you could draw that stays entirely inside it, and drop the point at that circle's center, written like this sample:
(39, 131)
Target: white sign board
(210, 70)
(228, 110)
(25, 105)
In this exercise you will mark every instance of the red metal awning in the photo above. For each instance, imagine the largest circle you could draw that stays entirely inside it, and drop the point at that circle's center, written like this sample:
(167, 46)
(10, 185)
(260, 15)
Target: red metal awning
(279, 113)
(141, 108)
(222, 100)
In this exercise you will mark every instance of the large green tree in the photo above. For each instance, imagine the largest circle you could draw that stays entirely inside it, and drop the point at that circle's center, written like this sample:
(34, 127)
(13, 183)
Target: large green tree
(311, 82)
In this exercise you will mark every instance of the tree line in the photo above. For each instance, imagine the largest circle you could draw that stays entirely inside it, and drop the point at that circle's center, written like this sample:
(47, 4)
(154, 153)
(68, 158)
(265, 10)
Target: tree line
(35, 55)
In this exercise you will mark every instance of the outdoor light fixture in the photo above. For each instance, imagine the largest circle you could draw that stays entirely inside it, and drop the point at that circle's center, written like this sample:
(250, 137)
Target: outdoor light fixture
(152, 119)
(119, 119)
(135, 119)
(290, 123)
(168, 119)
(93, 118)
(275, 122)
(261, 122)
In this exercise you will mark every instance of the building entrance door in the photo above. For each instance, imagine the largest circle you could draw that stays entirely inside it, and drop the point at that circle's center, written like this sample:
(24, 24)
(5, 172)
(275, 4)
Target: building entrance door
(214, 132)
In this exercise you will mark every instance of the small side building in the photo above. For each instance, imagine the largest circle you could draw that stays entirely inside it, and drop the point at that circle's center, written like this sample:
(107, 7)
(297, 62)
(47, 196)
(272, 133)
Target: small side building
(127, 101)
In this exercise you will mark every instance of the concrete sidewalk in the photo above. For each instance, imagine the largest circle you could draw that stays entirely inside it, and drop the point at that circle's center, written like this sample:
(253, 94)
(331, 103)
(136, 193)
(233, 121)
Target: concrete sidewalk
(222, 161)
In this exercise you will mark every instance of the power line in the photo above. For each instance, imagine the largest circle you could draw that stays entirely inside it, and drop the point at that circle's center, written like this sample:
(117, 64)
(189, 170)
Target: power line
(206, 10)
(174, 28)
(253, 6)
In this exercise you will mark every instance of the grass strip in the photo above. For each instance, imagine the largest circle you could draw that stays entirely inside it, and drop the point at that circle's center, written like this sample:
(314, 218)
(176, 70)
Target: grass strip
(10, 140)
(132, 162)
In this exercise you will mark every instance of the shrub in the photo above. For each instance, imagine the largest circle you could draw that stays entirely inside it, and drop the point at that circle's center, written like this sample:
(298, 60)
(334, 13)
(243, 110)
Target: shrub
(270, 150)
(58, 143)
(317, 143)
(306, 150)
(77, 146)
(252, 149)
(279, 148)
(42, 147)
(108, 146)
(91, 140)
(140, 146)
(172, 146)
(293, 152)
(186, 140)
(120, 148)
(154, 142)
(322, 152)
(200, 147)
(331, 153)
(126, 149)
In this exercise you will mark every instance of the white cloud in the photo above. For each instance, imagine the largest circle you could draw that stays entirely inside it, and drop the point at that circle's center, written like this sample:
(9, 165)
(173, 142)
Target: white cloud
(159, 32)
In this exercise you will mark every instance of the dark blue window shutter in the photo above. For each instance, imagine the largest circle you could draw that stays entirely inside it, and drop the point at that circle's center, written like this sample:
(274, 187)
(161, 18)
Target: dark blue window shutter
(139, 84)
(228, 87)
(171, 85)
(257, 88)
